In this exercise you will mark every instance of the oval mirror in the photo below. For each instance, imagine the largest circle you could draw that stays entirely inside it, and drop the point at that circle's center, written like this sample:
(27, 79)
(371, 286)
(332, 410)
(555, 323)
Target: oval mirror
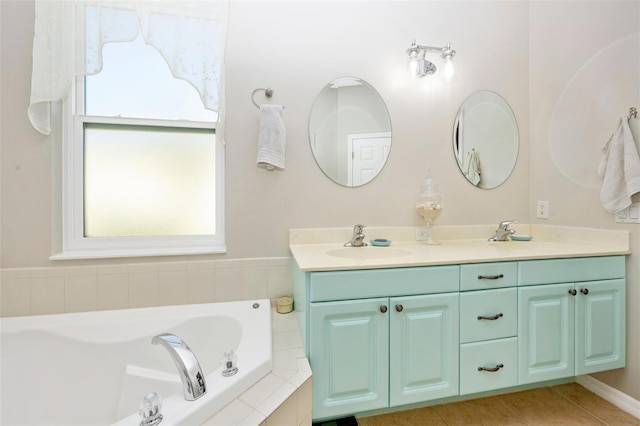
(350, 131)
(485, 139)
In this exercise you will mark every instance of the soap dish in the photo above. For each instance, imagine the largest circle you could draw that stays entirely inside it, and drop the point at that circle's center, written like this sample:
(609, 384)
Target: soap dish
(521, 237)
(380, 242)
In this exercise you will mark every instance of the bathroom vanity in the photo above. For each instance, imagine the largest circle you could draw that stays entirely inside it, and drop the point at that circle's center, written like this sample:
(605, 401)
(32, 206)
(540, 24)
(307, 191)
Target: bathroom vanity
(418, 323)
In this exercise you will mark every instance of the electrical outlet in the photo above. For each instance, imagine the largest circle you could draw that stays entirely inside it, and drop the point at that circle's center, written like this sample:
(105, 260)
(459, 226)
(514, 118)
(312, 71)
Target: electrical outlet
(630, 214)
(421, 234)
(542, 210)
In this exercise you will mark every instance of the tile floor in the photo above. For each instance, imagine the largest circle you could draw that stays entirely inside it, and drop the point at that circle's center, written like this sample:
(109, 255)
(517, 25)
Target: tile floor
(568, 404)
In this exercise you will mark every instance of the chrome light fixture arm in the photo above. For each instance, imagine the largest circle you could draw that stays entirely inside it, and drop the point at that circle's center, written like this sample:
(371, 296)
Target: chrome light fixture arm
(421, 67)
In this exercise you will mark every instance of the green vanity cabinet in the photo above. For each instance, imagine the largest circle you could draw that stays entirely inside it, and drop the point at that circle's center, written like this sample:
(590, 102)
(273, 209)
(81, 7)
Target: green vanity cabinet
(392, 337)
(378, 352)
(575, 327)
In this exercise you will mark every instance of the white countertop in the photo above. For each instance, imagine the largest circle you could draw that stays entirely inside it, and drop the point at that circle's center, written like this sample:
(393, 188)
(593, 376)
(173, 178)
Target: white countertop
(312, 248)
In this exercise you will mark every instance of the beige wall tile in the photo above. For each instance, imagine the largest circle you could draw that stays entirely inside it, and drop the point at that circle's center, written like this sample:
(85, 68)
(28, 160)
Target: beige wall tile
(15, 294)
(143, 289)
(113, 291)
(255, 283)
(172, 266)
(286, 413)
(121, 286)
(172, 287)
(72, 271)
(15, 273)
(80, 293)
(45, 272)
(47, 296)
(279, 281)
(228, 284)
(201, 285)
(202, 264)
(112, 269)
(304, 401)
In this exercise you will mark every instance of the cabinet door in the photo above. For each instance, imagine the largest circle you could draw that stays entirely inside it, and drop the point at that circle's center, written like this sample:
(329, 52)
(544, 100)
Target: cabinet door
(423, 347)
(546, 332)
(349, 356)
(600, 327)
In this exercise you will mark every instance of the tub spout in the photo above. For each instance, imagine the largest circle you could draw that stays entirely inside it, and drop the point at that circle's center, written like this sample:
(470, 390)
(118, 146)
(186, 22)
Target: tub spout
(189, 370)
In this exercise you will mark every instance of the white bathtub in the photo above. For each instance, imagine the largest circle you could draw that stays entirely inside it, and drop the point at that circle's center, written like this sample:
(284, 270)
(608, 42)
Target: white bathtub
(94, 368)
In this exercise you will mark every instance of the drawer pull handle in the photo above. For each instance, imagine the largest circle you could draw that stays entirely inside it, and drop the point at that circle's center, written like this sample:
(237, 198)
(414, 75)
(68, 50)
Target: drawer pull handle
(491, 369)
(399, 308)
(573, 292)
(491, 318)
(584, 291)
(490, 277)
(383, 309)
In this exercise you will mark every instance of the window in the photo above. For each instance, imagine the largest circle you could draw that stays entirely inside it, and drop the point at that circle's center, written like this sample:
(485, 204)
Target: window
(143, 170)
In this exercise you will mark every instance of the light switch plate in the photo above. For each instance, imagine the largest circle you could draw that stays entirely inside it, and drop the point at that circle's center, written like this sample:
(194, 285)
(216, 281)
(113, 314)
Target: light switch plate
(630, 215)
(542, 210)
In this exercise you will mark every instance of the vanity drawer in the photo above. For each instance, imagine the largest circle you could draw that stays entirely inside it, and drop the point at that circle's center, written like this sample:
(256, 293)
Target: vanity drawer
(488, 355)
(498, 310)
(550, 271)
(345, 285)
(483, 276)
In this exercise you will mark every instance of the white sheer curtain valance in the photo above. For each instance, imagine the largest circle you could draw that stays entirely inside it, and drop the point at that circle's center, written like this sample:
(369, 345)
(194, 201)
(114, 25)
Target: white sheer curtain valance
(69, 36)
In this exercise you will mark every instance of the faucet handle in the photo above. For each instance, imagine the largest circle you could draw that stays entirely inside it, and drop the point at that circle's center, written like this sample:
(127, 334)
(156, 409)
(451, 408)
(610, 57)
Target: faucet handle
(358, 229)
(505, 224)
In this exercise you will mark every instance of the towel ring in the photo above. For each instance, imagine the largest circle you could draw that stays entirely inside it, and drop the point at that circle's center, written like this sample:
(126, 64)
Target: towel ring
(267, 92)
(633, 112)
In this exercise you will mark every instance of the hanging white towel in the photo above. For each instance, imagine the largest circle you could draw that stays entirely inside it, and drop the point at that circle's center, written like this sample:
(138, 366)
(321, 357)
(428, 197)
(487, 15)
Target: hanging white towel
(272, 137)
(620, 169)
(473, 168)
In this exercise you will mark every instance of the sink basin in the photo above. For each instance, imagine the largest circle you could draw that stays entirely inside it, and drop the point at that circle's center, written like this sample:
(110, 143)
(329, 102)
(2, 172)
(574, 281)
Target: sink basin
(368, 252)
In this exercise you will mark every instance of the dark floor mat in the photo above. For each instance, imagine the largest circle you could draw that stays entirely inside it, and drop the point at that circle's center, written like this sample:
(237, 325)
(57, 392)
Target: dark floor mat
(346, 421)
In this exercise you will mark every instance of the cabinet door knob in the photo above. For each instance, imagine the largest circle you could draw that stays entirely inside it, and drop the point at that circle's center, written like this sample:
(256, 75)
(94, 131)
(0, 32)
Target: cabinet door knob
(399, 308)
(491, 369)
(584, 291)
(383, 309)
(573, 292)
(491, 318)
(490, 277)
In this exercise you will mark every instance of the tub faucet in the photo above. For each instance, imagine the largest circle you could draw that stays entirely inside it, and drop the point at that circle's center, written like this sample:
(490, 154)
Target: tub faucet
(503, 231)
(358, 236)
(193, 385)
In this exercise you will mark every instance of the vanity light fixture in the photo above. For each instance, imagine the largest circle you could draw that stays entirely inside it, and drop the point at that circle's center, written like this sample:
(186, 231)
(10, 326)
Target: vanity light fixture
(419, 66)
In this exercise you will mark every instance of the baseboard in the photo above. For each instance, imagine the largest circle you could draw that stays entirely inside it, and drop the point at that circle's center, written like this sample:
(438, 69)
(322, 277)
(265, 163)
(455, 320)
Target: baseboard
(614, 396)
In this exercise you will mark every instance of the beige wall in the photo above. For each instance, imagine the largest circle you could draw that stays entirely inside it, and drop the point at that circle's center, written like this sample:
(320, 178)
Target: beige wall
(524, 51)
(584, 73)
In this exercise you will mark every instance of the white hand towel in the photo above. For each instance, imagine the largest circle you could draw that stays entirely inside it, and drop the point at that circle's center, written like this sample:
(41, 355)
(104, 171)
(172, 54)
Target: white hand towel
(272, 137)
(473, 168)
(620, 169)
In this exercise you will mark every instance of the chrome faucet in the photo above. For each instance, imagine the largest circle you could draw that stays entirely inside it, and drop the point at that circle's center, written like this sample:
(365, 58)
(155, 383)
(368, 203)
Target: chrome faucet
(503, 231)
(193, 385)
(357, 238)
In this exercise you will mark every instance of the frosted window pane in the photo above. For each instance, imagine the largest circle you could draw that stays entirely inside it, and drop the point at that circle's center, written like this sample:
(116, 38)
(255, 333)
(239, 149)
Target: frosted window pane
(136, 82)
(148, 181)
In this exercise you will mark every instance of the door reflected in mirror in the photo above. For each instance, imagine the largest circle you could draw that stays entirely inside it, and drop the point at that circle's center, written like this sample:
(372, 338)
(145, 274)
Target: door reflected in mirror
(350, 131)
(485, 139)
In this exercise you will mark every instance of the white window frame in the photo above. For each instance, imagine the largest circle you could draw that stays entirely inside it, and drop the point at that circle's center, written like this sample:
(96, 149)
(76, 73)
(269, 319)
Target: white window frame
(74, 244)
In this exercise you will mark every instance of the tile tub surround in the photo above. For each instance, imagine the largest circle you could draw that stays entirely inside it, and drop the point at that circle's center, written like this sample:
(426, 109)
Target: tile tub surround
(458, 244)
(283, 397)
(63, 289)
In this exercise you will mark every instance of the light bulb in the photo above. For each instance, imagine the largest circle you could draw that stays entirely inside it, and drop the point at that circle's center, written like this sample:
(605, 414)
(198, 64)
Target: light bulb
(449, 70)
(414, 64)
